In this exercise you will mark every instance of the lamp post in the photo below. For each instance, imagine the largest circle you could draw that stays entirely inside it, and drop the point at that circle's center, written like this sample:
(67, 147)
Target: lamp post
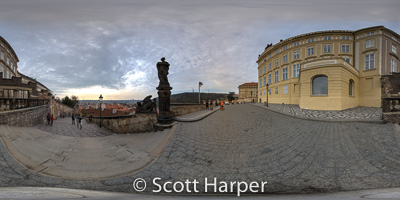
(200, 84)
(100, 100)
(267, 93)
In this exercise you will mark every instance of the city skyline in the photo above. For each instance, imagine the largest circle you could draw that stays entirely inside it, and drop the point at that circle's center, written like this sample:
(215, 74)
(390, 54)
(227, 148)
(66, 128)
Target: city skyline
(88, 48)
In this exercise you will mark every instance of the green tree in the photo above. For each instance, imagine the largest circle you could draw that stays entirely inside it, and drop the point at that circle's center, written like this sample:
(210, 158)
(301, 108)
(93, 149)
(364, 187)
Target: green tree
(230, 96)
(70, 102)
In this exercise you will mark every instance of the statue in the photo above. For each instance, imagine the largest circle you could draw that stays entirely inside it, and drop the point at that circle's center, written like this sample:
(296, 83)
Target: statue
(164, 93)
(163, 68)
(146, 106)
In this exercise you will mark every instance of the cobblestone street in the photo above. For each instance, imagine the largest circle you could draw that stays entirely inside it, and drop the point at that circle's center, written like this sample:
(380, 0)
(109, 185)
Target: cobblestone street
(247, 143)
(64, 126)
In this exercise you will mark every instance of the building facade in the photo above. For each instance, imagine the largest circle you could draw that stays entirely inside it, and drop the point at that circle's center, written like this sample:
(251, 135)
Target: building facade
(329, 70)
(16, 89)
(248, 92)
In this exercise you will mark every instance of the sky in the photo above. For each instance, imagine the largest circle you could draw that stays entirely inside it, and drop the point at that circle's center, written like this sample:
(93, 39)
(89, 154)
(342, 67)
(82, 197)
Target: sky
(111, 47)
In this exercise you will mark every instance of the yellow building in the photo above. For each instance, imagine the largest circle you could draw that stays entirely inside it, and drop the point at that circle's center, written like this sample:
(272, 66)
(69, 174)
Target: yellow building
(248, 92)
(328, 70)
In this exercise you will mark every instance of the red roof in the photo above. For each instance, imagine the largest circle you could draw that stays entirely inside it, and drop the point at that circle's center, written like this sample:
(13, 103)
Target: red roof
(249, 84)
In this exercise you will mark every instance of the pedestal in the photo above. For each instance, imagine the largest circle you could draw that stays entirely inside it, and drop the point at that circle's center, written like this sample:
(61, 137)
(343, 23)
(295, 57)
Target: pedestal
(164, 116)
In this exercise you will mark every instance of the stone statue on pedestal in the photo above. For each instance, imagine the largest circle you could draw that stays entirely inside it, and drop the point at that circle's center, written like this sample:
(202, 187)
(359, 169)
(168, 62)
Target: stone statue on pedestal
(164, 93)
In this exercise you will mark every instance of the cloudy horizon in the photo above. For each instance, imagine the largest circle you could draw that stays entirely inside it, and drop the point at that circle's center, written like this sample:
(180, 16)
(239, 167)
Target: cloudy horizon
(92, 47)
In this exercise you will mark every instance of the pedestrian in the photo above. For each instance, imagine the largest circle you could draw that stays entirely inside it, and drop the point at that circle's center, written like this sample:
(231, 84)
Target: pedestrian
(48, 119)
(90, 118)
(80, 122)
(51, 120)
(73, 119)
(207, 105)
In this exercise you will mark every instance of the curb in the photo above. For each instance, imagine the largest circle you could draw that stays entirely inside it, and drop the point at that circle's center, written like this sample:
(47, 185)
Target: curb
(371, 121)
(195, 118)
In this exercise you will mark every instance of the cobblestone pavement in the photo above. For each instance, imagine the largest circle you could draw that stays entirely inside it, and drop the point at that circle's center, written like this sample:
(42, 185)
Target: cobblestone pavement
(246, 143)
(64, 126)
(352, 113)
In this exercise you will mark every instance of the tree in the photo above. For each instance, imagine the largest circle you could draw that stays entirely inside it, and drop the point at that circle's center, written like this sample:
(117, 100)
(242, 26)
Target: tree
(230, 96)
(70, 102)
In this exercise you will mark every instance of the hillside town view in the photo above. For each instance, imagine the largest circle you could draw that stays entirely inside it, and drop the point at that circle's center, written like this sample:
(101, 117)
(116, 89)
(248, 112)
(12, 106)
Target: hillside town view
(199, 99)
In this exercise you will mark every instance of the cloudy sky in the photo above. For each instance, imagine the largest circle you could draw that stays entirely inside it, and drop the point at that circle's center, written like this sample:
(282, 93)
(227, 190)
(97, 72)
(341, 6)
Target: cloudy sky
(92, 47)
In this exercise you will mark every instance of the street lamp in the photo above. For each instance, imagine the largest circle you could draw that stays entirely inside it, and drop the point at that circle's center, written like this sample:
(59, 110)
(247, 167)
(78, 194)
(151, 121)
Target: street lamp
(100, 100)
(267, 93)
(200, 84)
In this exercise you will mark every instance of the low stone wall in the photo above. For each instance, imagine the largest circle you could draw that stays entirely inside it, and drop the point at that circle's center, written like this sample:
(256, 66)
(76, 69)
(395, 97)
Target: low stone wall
(25, 117)
(136, 123)
(183, 109)
(391, 117)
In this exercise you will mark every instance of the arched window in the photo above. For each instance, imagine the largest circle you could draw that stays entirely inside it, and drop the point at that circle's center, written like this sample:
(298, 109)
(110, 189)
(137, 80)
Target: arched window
(320, 85)
(351, 87)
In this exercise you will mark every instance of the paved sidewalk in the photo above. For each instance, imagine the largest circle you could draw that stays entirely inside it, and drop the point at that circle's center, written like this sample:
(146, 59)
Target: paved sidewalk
(196, 116)
(68, 194)
(358, 114)
(64, 126)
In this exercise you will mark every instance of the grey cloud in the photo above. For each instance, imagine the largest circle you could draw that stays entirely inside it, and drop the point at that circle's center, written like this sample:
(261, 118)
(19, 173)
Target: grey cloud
(77, 44)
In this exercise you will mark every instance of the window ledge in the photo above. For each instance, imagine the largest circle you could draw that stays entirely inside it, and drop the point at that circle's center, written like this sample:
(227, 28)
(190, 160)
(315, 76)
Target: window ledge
(324, 95)
(345, 54)
(310, 57)
(365, 70)
(327, 54)
(370, 49)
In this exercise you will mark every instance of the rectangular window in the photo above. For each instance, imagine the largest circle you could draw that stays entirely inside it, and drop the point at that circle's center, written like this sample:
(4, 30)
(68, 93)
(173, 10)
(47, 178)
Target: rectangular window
(260, 92)
(277, 51)
(327, 48)
(7, 74)
(296, 70)
(346, 48)
(393, 66)
(276, 76)
(284, 73)
(327, 38)
(310, 51)
(260, 72)
(260, 82)
(296, 54)
(369, 44)
(296, 44)
(285, 58)
(394, 49)
(265, 80)
(8, 61)
(269, 91)
(265, 69)
(269, 56)
(369, 61)
(347, 60)
(310, 40)
(285, 48)
(346, 37)
(2, 55)
(265, 92)
(269, 66)
(276, 90)
(269, 79)
(276, 62)
(285, 89)
(370, 33)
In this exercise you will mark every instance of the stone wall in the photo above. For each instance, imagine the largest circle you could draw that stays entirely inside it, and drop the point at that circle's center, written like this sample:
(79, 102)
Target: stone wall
(391, 117)
(137, 123)
(25, 116)
(183, 109)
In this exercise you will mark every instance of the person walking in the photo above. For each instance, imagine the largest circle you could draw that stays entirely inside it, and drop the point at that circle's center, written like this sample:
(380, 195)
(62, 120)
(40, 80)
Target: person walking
(80, 122)
(73, 119)
(207, 105)
(51, 120)
(48, 119)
